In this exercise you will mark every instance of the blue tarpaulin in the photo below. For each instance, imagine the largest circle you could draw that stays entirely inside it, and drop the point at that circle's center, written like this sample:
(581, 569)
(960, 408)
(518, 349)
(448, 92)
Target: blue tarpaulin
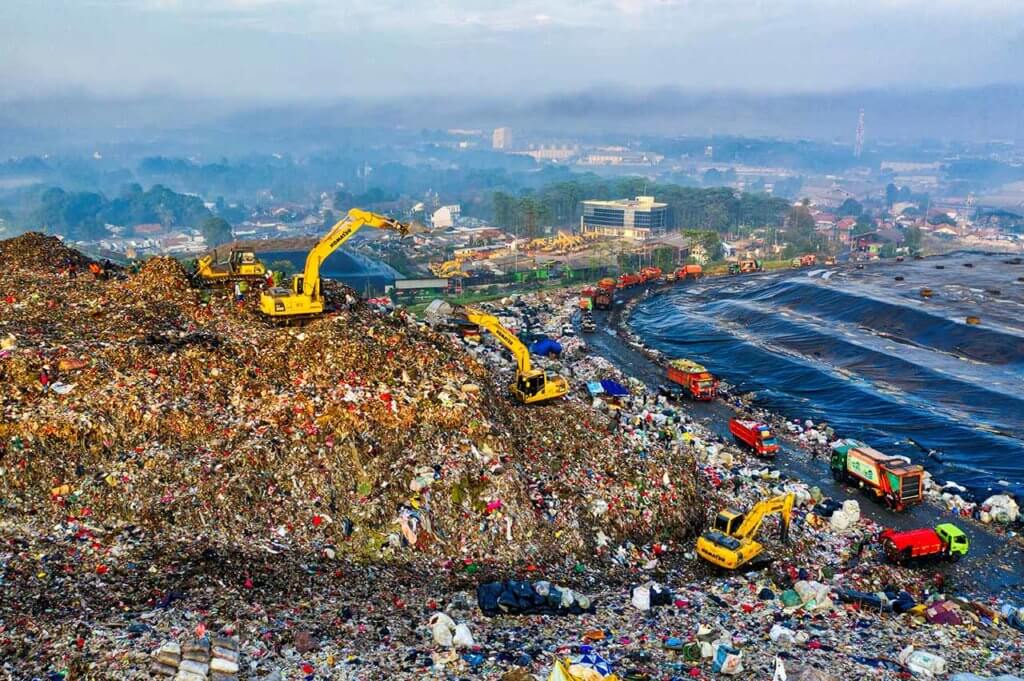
(594, 388)
(545, 347)
(613, 388)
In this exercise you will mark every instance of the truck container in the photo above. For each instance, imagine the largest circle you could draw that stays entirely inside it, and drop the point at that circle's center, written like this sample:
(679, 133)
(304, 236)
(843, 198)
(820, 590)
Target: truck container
(757, 436)
(606, 284)
(689, 272)
(603, 300)
(745, 266)
(698, 381)
(886, 477)
(649, 274)
(945, 541)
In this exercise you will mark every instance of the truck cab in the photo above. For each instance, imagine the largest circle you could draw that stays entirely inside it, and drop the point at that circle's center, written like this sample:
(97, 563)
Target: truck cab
(954, 538)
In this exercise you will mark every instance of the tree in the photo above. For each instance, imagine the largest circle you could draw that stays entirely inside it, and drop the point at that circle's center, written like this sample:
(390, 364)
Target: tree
(216, 231)
(913, 239)
(892, 193)
(285, 267)
(851, 207)
(864, 226)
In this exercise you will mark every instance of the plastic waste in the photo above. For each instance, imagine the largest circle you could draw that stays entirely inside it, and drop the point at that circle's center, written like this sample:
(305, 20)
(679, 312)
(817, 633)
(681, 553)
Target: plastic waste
(726, 660)
(922, 662)
(463, 637)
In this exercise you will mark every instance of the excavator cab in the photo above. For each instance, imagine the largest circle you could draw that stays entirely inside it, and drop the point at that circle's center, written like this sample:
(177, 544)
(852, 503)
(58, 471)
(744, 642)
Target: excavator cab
(729, 521)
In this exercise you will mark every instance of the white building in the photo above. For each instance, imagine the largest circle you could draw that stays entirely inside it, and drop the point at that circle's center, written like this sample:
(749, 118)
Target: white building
(446, 216)
(501, 139)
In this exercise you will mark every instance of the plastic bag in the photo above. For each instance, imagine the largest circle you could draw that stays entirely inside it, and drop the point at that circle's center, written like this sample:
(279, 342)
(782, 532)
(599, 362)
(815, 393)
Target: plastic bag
(727, 660)
(463, 637)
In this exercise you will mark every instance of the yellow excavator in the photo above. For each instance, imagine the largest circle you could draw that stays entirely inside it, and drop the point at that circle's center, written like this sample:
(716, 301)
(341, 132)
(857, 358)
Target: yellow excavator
(242, 264)
(730, 543)
(531, 385)
(305, 298)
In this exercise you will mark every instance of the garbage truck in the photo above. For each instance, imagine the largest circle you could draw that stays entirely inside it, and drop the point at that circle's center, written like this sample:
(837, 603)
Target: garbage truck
(888, 478)
(757, 436)
(698, 381)
(946, 540)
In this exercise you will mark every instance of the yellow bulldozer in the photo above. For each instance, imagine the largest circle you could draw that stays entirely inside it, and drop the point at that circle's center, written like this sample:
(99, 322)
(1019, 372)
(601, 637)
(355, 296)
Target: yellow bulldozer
(241, 265)
(730, 543)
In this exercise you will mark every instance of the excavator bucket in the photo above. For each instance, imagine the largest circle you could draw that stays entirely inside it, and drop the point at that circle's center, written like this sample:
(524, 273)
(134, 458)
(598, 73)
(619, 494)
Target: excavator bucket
(416, 227)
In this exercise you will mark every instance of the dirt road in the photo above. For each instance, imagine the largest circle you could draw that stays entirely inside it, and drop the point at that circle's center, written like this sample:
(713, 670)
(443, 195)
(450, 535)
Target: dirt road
(994, 565)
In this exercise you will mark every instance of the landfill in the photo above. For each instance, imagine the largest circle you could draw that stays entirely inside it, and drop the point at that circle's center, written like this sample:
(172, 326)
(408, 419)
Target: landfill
(188, 492)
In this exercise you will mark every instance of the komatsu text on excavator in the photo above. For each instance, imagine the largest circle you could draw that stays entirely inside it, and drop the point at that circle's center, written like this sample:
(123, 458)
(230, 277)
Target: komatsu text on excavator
(531, 385)
(730, 543)
(305, 299)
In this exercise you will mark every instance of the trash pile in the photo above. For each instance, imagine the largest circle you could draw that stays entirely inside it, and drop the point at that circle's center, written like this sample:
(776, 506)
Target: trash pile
(357, 498)
(145, 424)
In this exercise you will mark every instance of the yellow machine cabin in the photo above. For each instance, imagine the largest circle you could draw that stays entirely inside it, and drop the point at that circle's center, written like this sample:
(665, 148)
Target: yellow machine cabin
(242, 264)
(531, 385)
(730, 542)
(305, 298)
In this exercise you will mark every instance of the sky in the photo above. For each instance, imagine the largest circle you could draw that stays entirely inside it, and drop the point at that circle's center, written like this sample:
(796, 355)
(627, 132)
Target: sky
(269, 50)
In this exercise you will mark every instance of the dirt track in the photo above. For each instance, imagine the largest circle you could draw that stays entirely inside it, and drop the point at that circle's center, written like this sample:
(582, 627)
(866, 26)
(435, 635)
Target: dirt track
(995, 564)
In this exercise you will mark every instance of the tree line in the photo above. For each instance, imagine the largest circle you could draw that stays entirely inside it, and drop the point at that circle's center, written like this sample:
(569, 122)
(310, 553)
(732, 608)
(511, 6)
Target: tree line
(84, 215)
(560, 204)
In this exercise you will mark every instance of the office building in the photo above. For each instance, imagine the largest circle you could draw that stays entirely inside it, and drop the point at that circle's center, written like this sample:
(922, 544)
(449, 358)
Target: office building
(638, 219)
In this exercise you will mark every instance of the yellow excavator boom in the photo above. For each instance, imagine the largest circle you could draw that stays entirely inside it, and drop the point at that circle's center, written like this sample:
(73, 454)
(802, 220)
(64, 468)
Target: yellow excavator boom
(305, 298)
(531, 385)
(730, 543)
(782, 504)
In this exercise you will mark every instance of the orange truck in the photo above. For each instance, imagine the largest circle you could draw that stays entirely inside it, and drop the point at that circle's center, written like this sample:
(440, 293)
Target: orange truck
(888, 478)
(689, 272)
(697, 380)
(604, 297)
(649, 274)
(757, 436)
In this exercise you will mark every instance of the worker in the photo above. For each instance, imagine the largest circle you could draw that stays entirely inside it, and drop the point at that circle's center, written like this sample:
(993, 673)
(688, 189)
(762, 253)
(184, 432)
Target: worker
(239, 292)
(45, 379)
(269, 281)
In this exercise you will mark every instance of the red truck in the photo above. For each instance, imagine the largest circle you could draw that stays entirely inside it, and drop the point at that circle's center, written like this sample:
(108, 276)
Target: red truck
(757, 436)
(627, 280)
(697, 380)
(649, 274)
(946, 541)
(587, 298)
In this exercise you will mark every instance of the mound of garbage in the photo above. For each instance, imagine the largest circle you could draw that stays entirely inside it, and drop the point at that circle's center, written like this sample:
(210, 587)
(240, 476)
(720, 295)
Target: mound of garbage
(129, 402)
(40, 252)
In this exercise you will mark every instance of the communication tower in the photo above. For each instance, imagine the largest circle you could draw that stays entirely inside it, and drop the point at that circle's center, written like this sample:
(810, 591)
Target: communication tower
(858, 143)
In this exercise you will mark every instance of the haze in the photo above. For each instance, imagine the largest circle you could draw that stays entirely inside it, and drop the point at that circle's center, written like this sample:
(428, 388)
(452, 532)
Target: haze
(317, 49)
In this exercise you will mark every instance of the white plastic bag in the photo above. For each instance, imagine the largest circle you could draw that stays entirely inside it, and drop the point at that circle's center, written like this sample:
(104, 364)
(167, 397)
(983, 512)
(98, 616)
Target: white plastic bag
(642, 598)
(852, 509)
(463, 637)
(922, 662)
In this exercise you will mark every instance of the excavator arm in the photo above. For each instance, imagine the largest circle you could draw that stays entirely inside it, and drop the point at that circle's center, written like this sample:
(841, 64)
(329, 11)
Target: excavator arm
(531, 385)
(782, 504)
(305, 300)
(506, 337)
(333, 240)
